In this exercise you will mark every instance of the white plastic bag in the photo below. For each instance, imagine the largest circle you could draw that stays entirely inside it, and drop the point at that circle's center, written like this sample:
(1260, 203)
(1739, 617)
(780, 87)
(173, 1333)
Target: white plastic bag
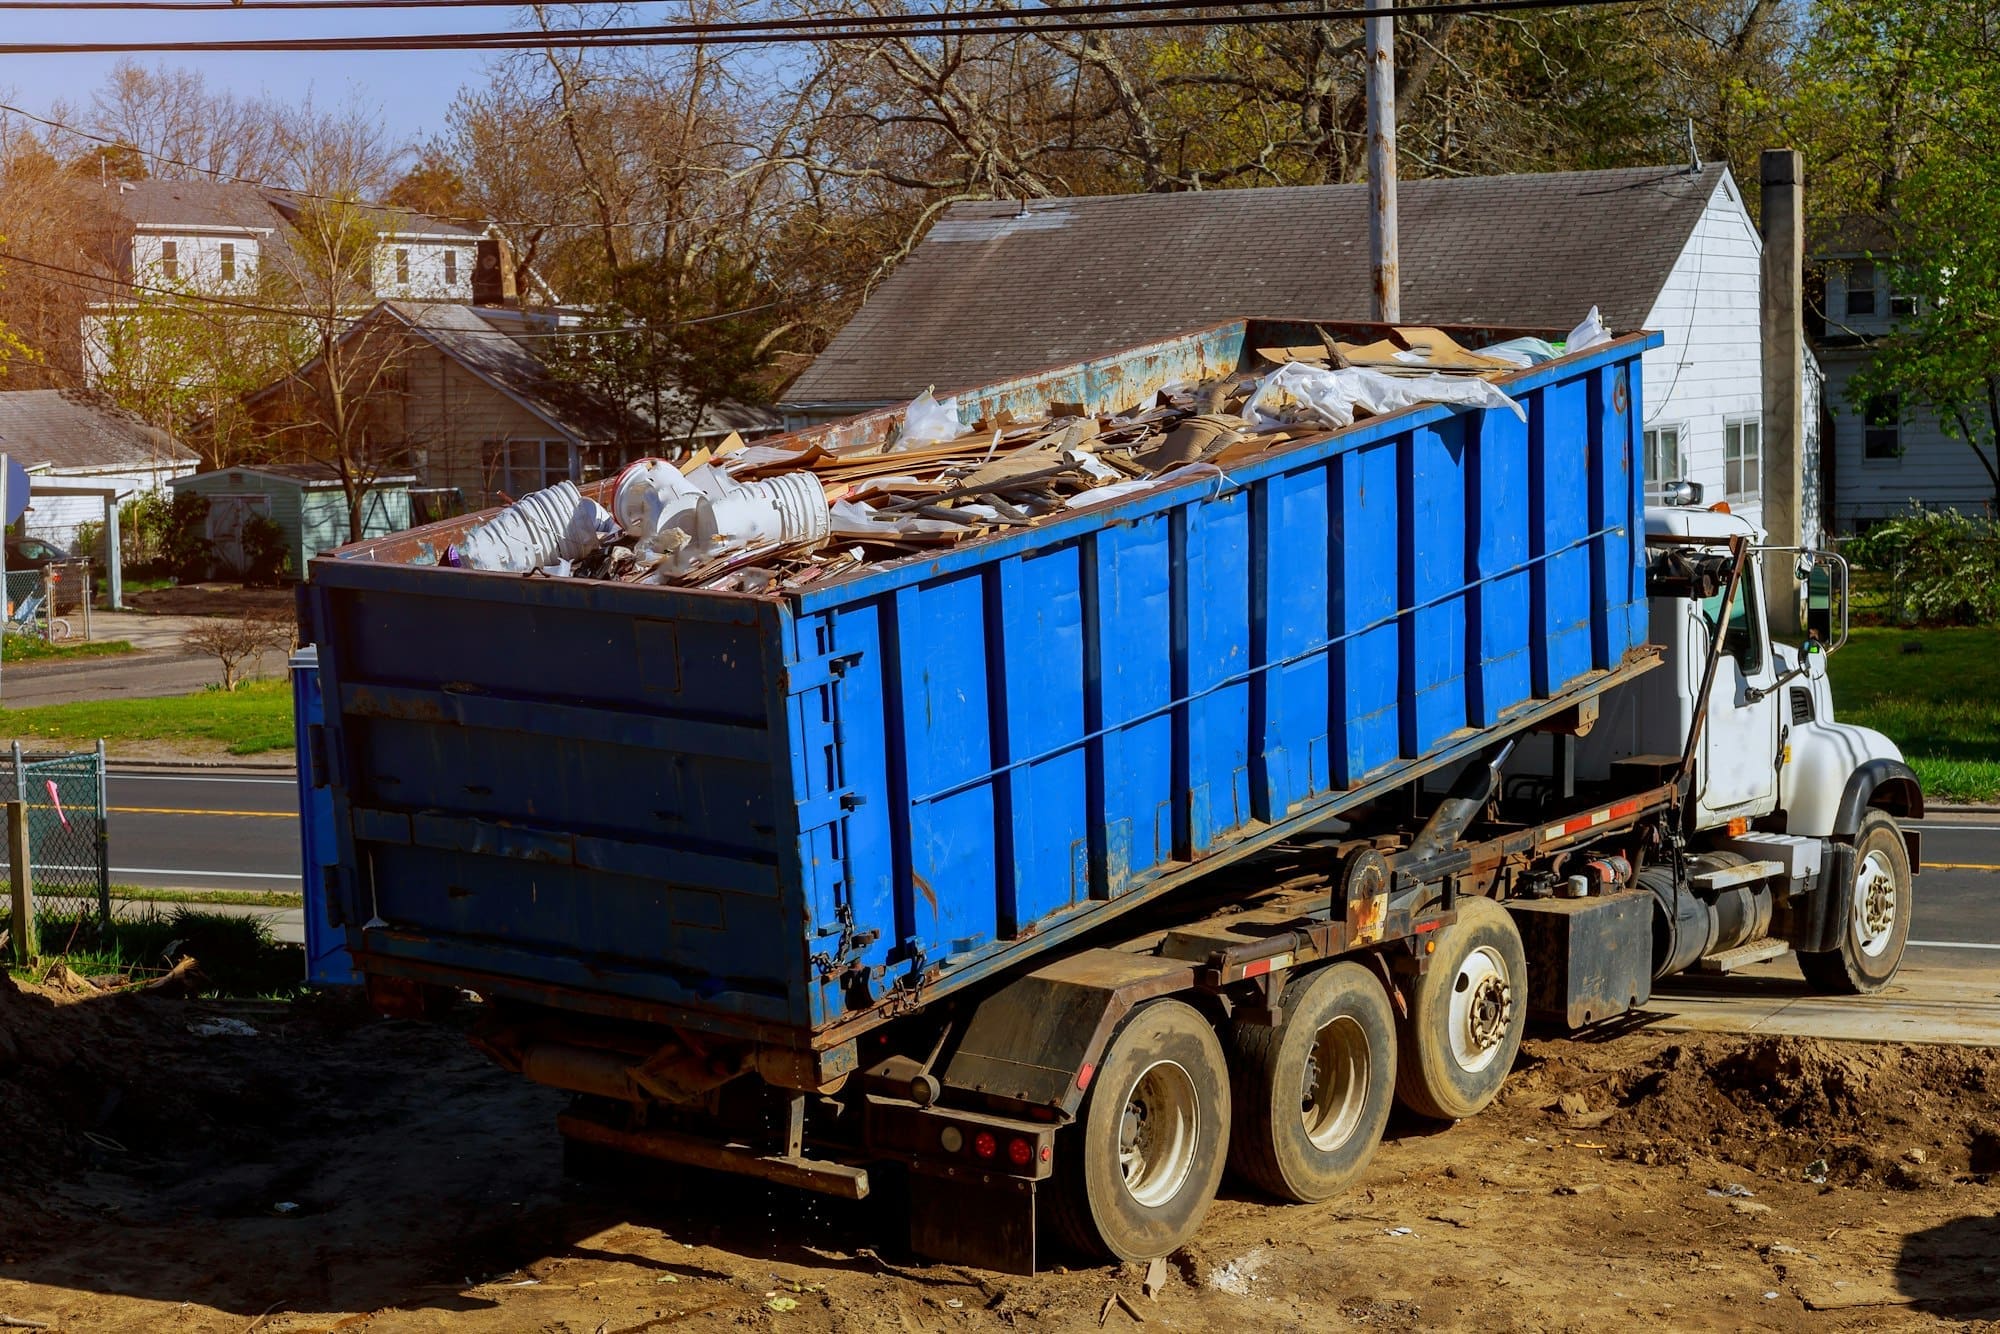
(1588, 334)
(1332, 395)
(927, 421)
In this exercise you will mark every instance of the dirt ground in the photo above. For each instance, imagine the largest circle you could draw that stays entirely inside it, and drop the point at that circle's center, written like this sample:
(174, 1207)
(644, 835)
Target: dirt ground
(216, 599)
(163, 1170)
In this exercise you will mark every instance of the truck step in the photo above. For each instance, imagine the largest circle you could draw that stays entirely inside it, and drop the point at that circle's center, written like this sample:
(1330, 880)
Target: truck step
(1730, 876)
(1757, 951)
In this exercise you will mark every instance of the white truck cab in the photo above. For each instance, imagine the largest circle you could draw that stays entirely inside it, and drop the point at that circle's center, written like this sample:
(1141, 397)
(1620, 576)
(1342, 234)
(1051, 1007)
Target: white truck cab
(1790, 835)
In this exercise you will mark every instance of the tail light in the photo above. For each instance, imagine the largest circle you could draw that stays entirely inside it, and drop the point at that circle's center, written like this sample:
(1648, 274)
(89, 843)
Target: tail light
(984, 1145)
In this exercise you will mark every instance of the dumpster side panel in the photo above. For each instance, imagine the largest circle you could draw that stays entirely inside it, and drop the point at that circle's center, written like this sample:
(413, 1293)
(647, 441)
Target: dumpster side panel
(1061, 724)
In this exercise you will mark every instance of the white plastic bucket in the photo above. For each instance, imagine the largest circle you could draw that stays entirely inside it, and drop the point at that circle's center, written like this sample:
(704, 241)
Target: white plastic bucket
(526, 535)
(644, 492)
(791, 509)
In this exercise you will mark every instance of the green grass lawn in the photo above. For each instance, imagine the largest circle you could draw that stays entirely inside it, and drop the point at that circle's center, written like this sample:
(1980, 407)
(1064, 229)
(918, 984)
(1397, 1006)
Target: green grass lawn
(255, 718)
(25, 648)
(1935, 693)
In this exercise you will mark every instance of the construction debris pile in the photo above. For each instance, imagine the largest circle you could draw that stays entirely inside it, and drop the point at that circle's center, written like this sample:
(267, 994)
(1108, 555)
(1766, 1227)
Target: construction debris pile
(753, 518)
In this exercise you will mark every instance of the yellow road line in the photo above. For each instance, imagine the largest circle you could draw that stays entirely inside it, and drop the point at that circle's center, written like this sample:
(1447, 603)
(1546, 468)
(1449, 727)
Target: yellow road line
(175, 810)
(1960, 866)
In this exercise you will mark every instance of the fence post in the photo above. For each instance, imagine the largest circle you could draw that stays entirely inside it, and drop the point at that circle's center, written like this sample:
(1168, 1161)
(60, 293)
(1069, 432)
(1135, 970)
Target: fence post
(26, 946)
(103, 839)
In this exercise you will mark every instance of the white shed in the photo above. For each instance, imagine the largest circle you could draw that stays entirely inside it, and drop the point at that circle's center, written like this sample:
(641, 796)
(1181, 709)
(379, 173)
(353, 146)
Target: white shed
(81, 442)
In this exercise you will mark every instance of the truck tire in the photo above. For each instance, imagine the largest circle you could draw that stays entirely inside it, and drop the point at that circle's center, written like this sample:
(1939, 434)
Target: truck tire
(1466, 1015)
(1310, 1095)
(1142, 1163)
(1875, 913)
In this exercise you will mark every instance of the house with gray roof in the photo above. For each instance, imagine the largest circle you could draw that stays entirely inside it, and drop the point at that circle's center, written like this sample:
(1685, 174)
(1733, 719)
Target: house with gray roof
(1003, 288)
(470, 407)
(221, 238)
(80, 442)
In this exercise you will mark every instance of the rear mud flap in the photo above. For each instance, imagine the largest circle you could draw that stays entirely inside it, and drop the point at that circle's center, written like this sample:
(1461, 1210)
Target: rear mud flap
(960, 1219)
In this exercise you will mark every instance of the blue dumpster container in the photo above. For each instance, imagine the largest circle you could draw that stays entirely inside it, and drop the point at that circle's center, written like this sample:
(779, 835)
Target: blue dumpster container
(789, 816)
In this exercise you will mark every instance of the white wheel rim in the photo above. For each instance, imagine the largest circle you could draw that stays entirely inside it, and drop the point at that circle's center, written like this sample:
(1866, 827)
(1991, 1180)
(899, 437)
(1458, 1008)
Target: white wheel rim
(1874, 910)
(1157, 1133)
(1335, 1087)
(1482, 1007)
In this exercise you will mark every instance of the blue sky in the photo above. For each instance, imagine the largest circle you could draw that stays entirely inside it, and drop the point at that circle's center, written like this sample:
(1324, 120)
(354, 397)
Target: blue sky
(411, 90)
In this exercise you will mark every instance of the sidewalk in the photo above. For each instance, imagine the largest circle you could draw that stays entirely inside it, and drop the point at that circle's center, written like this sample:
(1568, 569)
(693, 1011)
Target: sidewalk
(160, 667)
(1957, 1006)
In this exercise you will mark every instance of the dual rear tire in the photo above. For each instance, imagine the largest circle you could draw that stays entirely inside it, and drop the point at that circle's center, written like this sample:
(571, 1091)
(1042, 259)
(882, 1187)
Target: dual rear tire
(1296, 1108)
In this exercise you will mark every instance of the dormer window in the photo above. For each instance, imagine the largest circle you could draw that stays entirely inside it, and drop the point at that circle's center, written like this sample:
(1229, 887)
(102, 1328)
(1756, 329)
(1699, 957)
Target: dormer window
(450, 268)
(228, 249)
(403, 268)
(170, 260)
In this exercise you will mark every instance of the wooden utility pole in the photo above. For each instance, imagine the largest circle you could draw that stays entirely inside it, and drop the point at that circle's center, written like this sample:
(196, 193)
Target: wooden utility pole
(22, 928)
(1383, 250)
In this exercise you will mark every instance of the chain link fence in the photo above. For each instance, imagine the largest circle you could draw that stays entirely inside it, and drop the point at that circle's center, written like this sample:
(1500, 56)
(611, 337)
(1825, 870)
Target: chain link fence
(68, 850)
(50, 604)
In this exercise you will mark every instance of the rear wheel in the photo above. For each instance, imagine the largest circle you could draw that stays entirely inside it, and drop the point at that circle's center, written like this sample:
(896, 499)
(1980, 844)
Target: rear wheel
(1466, 1017)
(1876, 918)
(1312, 1094)
(1145, 1157)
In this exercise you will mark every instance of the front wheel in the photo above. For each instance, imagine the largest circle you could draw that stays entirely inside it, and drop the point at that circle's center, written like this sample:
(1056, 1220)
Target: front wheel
(1146, 1155)
(1876, 920)
(1467, 1014)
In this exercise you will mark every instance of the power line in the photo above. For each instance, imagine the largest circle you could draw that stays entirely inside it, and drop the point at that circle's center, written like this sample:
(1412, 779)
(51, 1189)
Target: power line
(91, 283)
(970, 23)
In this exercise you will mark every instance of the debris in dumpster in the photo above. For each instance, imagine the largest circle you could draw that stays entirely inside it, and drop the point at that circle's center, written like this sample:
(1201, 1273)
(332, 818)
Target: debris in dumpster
(768, 518)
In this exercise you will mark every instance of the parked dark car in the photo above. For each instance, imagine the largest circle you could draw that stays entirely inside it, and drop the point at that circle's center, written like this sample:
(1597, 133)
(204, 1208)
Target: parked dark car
(32, 553)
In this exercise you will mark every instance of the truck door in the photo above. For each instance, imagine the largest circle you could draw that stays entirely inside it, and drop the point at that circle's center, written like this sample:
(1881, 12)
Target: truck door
(1739, 744)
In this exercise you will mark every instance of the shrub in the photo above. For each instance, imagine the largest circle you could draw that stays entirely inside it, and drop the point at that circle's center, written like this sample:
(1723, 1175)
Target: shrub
(1942, 567)
(184, 540)
(266, 559)
(238, 642)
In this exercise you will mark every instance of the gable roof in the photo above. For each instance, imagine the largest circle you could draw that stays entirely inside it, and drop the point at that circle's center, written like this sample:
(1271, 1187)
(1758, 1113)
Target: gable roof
(198, 205)
(509, 367)
(1004, 288)
(62, 430)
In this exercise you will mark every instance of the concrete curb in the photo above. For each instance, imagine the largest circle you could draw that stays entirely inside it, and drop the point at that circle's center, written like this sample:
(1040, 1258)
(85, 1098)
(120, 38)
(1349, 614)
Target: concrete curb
(1939, 809)
(205, 767)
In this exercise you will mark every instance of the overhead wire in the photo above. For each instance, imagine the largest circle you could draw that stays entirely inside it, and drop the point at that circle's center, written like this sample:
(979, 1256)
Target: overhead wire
(768, 32)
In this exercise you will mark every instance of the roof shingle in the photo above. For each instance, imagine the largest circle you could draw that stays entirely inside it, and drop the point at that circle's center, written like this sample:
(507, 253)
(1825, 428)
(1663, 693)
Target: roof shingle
(999, 289)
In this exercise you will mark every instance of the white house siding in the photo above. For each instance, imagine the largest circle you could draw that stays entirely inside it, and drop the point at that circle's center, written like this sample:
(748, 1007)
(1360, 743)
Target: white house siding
(425, 258)
(55, 518)
(198, 260)
(1934, 469)
(1709, 371)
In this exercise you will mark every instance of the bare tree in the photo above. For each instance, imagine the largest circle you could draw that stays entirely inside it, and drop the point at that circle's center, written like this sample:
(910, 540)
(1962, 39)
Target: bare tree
(238, 643)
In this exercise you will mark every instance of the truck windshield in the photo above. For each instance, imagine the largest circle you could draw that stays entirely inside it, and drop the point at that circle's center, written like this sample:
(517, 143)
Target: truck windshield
(1739, 638)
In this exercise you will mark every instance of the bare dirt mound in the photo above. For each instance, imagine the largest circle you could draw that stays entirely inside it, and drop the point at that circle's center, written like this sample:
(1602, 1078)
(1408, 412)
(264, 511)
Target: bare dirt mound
(1856, 1114)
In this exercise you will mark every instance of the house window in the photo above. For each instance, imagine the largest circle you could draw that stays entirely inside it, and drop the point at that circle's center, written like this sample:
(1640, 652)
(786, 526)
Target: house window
(229, 261)
(1882, 427)
(450, 267)
(1901, 303)
(170, 260)
(1666, 458)
(403, 267)
(1861, 287)
(517, 467)
(1743, 460)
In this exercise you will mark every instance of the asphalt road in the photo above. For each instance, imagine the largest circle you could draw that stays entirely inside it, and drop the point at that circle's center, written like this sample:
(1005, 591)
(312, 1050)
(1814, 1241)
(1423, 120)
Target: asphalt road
(203, 831)
(1957, 921)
